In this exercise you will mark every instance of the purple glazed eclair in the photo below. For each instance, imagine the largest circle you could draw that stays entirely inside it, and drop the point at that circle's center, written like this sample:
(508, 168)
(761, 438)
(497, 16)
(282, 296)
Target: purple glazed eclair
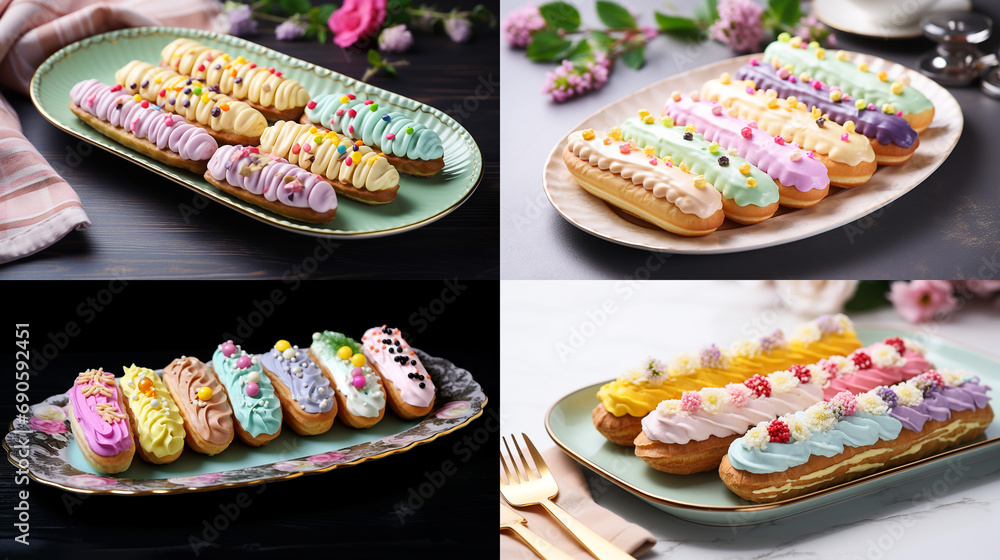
(142, 126)
(273, 183)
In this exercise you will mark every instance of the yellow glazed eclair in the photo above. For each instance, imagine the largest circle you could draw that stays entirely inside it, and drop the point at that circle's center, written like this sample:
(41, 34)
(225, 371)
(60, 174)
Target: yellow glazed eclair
(355, 170)
(266, 89)
(228, 120)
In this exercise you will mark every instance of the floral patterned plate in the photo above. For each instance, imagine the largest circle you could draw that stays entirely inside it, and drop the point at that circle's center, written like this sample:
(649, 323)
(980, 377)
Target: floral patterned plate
(53, 457)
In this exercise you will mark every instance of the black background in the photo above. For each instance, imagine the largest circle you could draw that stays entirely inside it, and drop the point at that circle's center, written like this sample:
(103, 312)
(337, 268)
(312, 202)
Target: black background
(346, 511)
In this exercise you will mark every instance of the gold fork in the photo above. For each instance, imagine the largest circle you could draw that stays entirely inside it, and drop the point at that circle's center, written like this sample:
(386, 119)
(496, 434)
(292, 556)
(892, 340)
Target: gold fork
(510, 519)
(528, 489)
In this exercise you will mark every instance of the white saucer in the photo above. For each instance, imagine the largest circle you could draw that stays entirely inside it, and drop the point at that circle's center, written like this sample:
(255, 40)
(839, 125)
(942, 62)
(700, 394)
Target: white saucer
(844, 15)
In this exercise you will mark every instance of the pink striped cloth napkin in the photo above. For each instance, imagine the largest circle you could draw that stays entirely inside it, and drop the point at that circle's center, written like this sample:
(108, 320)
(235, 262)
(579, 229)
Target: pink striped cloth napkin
(37, 207)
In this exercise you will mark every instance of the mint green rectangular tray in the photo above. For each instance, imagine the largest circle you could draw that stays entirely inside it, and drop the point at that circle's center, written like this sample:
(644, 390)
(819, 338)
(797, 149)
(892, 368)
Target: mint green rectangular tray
(703, 498)
(420, 200)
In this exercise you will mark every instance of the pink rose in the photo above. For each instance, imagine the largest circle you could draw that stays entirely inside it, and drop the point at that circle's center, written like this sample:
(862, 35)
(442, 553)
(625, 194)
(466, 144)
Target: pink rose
(46, 425)
(355, 20)
(330, 457)
(921, 300)
(91, 481)
(454, 409)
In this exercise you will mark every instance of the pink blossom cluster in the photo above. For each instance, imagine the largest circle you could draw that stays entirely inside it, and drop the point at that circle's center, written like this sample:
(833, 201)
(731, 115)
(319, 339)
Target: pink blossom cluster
(739, 25)
(569, 79)
(520, 24)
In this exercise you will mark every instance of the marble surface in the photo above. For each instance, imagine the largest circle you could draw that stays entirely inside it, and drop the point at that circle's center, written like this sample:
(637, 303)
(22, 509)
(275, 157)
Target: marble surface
(946, 227)
(559, 336)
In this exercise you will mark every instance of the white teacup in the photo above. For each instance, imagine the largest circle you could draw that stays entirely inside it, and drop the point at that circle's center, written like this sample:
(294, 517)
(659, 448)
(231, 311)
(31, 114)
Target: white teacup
(895, 13)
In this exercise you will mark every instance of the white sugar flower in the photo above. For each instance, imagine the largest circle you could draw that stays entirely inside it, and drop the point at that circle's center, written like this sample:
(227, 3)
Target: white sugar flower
(819, 376)
(798, 428)
(713, 399)
(845, 323)
(684, 364)
(952, 377)
(819, 418)
(745, 348)
(756, 438)
(807, 333)
(782, 381)
(885, 356)
(908, 394)
(871, 403)
(844, 365)
(669, 407)
(913, 346)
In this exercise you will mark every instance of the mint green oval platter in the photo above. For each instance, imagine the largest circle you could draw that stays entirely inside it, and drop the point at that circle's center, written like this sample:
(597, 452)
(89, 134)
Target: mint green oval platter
(43, 440)
(703, 498)
(420, 200)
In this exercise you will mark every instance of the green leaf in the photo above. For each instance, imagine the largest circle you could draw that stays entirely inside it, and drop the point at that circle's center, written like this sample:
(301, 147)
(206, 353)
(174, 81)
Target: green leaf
(580, 52)
(325, 11)
(397, 12)
(560, 15)
(601, 41)
(546, 46)
(292, 7)
(673, 23)
(788, 12)
(707, 12)
(390, 70)
(870, 295)
(321, 35)
(374, 58)
(615, 16)
(636, 58)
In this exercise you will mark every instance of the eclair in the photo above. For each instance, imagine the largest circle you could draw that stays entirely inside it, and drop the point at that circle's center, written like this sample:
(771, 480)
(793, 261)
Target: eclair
(749, 195)
(892, 95)
(355, 170)
(892, 138)
(847, 155)
(143, 127)
(642, 185)
(272, 182)
(802, 181)
(410, 147)
(409, 389)
(153, 415)
(308, 404)
(693, 433)
(626, 400)
(251, 396)
(202, 403)
(360, 395)
(100, 424)
(265, 89)
(228, 120)
(852, 436)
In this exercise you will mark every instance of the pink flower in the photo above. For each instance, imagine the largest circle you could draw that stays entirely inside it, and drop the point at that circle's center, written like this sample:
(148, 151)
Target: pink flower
(843, 404)
(649, 31)
(691, 401)
(922, 300)
(570, 79)
(46, 425)
(739, 25)
(454, 409)
(520, 24)
(979, 288)
(294, 466)
(207, 479)
(330, 457)
(356, 19)
(91, 481)
(738, 394)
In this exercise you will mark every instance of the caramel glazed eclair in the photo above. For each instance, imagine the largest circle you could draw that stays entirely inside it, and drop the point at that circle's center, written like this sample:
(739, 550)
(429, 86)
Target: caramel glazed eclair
(265, 89)
(228, 120)
(355, 170)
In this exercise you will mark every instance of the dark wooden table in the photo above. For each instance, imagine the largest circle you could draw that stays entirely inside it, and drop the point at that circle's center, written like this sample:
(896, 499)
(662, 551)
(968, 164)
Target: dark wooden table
(140, 231)
(350, 512)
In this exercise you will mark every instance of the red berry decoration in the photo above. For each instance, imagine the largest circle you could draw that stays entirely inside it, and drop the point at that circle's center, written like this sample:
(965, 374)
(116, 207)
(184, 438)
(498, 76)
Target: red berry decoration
(778, 430)
(830, 367)
(759, 385)
(896, 343)
(802, 372)
(933, 375)
(862, 360)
